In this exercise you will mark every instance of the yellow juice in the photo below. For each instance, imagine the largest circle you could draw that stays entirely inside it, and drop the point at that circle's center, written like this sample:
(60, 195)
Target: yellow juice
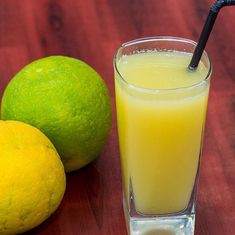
(160, 131)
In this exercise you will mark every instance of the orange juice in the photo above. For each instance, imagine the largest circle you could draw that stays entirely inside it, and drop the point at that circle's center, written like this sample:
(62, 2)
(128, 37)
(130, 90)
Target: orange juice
(160, 125)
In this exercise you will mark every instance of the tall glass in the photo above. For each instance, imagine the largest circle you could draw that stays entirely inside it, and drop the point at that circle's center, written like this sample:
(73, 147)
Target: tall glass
(161, 109)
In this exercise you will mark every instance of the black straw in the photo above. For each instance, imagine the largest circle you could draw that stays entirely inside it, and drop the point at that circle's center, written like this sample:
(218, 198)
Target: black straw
(214, 10)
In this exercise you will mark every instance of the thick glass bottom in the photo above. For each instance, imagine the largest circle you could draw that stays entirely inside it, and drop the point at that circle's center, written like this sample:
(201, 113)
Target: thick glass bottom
(173, 224)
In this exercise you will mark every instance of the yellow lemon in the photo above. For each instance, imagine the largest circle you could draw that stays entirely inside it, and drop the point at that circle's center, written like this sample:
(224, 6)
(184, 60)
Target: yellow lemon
(32, 178)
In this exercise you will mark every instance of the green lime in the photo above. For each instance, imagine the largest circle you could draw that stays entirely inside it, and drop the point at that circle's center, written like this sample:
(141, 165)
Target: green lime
(68, 101)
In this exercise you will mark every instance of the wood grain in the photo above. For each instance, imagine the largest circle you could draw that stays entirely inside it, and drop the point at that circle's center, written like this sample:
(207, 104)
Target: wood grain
(92, 30)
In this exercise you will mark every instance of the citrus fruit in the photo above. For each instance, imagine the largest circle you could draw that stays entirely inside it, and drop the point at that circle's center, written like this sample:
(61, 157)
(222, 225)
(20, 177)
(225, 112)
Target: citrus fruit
(68, 101)
(32, 178)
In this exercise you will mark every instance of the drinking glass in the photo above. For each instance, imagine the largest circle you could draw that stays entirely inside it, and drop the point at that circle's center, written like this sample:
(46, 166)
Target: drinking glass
(160, 129)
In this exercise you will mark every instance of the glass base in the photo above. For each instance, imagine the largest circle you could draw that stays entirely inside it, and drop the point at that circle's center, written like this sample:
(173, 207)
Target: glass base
(178, 224)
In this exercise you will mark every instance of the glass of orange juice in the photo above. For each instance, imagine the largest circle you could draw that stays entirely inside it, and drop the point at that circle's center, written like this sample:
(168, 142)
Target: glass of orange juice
(161, 109)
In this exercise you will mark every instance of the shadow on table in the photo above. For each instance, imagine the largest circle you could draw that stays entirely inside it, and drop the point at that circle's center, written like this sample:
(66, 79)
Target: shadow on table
(81, 208)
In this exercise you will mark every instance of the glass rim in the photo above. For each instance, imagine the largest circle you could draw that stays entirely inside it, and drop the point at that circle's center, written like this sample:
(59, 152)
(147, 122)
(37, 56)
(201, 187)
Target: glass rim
(155, 39)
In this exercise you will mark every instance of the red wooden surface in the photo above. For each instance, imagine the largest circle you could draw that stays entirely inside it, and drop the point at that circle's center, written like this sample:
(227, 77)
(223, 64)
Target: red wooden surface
(92, 30)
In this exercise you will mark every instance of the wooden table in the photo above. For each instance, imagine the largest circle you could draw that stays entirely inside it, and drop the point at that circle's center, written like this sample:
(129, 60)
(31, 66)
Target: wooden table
(92, 30)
